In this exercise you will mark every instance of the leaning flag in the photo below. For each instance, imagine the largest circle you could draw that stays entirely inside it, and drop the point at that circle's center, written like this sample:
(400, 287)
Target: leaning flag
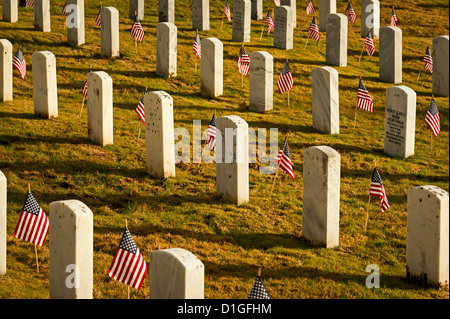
(259, 291)
(19, 63)
(197, 46)
(211, 136)
(140, 109)
(313, 31)
(350, 13)
(310, 7)
(243, 62)
(364, 100)
(269, 21)
(98, 19)
(285, 81)
(33, 223)
(85, 87)
(370, 48)
(226, 11)
(128, 265)
(64, 10)
(29, 3)
(394, 19)
(377, 189)
(432, 118)
(428, 60)
(137, 32)
(285, 160)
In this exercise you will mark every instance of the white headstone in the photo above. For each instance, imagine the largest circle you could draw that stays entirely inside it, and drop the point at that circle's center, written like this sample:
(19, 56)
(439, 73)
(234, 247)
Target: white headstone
(75, 22)
(440, 65)
(427, 237)
(336, 39)
(261, 81)
(110, 32)
(325, 8)
(257, 9)
(136, 7)
(241, 21)
(3, 230)
(370, 17)
(200, 14)
(10, 10)
(45, 91)
(42, 15)
(166, 49)
(211, 67)
(293, 5)
(166, 10)
(6, 71)
(71, 235)
(325, 99)
(390, 56)
(321, 188)
(283, 33)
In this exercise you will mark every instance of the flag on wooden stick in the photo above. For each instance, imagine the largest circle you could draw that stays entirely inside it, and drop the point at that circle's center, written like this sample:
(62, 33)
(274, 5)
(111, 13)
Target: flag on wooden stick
(285, 81)
(211, 136)
(310, 7)
(85, 87)
(197, 46)
(284, 159)
(98, 19)
(432, 118)
(370, 48)
(377, 189)
(19, 63)
(243, 61)
(140, 110)
(226, 11)
(394, 20)
(313, 31)
(137, 32)
(269, 21)
(64, 9)
(428, 60)
(350, 13)
(364, 100)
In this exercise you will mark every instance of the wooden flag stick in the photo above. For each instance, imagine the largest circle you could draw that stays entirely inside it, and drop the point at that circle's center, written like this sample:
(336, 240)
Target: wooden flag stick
(276, 173)
(259, 272)
(419, 75)
(367, 215)
(139, 134)
(363, 47)
(82, 103)
(356, 108)
(221, 25)
(262, 31)
(307, 38)
(288, 98)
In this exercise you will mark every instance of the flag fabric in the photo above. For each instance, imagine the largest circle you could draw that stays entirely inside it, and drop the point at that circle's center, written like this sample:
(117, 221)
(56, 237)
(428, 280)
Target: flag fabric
(197, 46)
(370, 48)
(33, 223)
(259, 291)
(285, 160)
(128, 265)
(313, 31)
(64, 9)
(19, 63)
(226, 11)
(285, 81)
(350, 13)
(243, 62)
(98, 19)
(428, 60)
(140, 110)
(269, 21)
(29, 3)
(432, 118)
(137, 32)
(364, 100)
(377, 189)
(85, 87)
(310, 7)
(211, 136)
(394, 19)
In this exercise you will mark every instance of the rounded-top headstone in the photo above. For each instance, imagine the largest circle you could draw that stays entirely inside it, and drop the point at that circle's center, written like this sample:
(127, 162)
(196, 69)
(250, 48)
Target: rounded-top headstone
(6, 71)
(440, 65)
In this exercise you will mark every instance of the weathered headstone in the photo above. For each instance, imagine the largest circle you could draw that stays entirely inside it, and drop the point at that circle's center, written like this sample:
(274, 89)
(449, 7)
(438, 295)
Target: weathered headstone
(136, 7)
(283, 33)
(336, 46)
(241, 21)
(321, 187)
(110, 32)
(100, 107)
(45, 91)
(211, 67)
(390, 56)
(6, 71)
(159, 134)
(325, 8)
(200, 14)
(293, 5)
(427, 237)
(370, 17)
(257, 10)
(400, 121)
(232, 176)
(176, 274)
(166, 49)
(10, 10)
(71, 235)
(42, 15)
(440, 65)
(261, 81)
(325, 99)
(166, 10)
(75, 22)
(3, 193)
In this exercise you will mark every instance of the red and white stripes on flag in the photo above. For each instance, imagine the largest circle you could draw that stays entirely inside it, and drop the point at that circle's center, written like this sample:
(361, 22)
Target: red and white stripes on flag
(377, 189)
(364, 100)
(98, 19)
(350, 13)
(33, 223)
(211, 136)
(128, 265)
(197, 46)
(226, 11)
(432, 118)
(85, 88)
(313, 31)
(370, 48)
(285, 81)
(243, 61)
(19, 63)
(285, 160)
(269, 21)
(29, 3)
(394, 19)
(310, 7)
(140, 110)
(64, 9)
(428, 60)
(137, 32)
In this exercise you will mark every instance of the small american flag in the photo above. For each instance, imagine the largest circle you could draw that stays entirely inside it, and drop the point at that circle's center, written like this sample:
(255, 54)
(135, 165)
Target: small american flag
(285, 160)
(226, 11)
(277, 2)
(313, 31)
(85, 87)
(432, 118)
(269, 21)
(29, 3)
(98, 19)
(259, 291)
(137, 32)
(197, 46)
(364, 100)
(350, 13)
(33, 223)
(64, 10)
(128, 265)
(243, 62)
(428, 60)
(370, 48)
(19, 63)
(310, 7)
(394, 19)
(211, 136)
(377, 189)
(285, 81)
(140, 110)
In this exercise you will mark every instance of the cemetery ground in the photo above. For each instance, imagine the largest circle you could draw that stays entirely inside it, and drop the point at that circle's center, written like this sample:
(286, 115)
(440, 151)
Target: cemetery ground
(59, 161)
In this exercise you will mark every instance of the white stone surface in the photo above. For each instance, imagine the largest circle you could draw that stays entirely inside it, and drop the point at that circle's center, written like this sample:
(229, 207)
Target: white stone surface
(321, 187)
(257, 10)
(110, 32)
(261, 81)
(390, 56)
(76, 35)
(400, 121)
(427, 237)
(159, 134)
(6, 71)
(325, 8)
(3, 230)
(45, 90)
(176, 273)
(42, 15)
(241, 21)
(166, 11)
(10, 10)
(200, 14)
(370, 17)
(440, 65)
(136, 6)
(166, 49)
(71, 235)
(283, 33)
(325, 99)
(211, 67)
(336, 46)
(100, 107)
(293, 5)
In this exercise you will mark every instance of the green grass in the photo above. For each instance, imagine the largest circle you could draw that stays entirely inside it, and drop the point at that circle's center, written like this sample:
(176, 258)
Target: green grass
(59, 162)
